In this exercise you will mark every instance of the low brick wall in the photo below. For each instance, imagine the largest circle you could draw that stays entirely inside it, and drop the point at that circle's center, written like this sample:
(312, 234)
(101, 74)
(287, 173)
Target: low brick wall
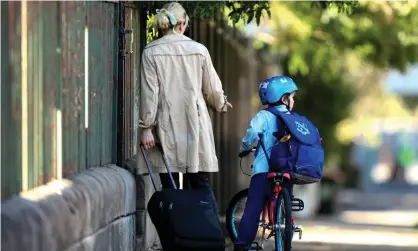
(92, 210)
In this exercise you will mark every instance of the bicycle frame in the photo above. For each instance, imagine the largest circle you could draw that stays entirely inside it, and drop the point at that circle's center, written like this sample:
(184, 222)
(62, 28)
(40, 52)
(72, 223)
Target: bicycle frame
(269, 209)
(270, 205)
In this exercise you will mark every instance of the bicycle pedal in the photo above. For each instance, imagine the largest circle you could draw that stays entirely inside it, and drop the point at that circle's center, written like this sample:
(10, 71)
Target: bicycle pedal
(297, 205)
(299, 230)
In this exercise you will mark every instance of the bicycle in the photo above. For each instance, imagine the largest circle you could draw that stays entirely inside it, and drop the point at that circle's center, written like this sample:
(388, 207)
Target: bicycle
(275, 219)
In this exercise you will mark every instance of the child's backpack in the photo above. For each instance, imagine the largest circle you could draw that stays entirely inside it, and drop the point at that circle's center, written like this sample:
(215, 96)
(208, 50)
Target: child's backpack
(299, 150)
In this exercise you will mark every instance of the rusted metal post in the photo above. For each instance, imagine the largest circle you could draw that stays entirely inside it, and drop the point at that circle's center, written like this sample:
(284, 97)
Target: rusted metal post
(120, 124)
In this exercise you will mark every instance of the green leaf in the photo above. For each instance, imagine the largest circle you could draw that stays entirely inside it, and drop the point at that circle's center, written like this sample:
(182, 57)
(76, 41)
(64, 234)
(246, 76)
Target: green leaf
(232, 13)
(258, 16)
(250, 16)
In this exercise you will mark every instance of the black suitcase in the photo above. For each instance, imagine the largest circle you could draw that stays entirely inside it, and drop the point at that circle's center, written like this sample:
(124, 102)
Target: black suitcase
(186, 220)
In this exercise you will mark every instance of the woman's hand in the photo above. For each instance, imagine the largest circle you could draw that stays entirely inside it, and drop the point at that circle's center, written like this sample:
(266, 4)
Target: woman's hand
(147, 138)
(227, 106)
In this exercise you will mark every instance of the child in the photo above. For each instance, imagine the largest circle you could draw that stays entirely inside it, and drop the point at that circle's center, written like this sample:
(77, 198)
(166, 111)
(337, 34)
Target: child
(277, 92)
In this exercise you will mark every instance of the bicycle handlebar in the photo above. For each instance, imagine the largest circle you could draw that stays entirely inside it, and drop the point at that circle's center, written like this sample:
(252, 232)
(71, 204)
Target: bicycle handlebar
(245, 153)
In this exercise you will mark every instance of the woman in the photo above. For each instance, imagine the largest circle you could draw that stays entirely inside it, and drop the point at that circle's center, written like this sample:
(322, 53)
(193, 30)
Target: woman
(177, 81)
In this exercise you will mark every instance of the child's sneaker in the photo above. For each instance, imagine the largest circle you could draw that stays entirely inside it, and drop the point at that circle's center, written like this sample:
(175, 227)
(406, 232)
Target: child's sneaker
(240, 248)
(253, 247)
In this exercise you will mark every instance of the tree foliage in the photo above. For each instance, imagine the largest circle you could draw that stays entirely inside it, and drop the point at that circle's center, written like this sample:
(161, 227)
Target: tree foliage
(208, 9)
(383, 33)
(241, 10)
(238, 11)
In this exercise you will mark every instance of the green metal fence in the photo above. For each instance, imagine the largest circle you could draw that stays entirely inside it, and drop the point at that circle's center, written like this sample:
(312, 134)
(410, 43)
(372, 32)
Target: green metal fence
(59, 75)
(61, 110)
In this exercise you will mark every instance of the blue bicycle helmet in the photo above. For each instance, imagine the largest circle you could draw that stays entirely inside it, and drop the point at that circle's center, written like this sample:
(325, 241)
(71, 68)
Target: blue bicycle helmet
(272, 89)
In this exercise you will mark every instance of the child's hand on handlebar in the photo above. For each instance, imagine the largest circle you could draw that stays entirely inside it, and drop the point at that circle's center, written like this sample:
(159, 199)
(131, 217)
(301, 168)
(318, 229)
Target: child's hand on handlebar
(245, 153)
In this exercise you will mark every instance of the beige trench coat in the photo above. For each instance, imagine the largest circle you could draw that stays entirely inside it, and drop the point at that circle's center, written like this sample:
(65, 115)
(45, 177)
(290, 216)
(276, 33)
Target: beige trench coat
(178, 80)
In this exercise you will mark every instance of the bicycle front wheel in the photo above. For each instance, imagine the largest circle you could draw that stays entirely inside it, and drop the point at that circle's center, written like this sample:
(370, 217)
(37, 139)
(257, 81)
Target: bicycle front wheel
(283, 227)
(234, 214)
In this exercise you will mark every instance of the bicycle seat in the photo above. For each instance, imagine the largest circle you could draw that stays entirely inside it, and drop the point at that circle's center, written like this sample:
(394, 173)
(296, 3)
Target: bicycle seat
(274, 174)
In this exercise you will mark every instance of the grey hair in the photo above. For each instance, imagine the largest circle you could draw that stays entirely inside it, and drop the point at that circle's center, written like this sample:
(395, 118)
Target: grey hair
(171, 15)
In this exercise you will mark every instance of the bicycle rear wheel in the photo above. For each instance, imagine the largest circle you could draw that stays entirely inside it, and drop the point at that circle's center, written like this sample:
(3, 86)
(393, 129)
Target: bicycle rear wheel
(283, 228)
(234, 214)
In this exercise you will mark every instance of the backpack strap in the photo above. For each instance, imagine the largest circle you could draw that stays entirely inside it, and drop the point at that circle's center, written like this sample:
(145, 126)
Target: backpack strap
(261, 142)
(278, 114)
(287, 136)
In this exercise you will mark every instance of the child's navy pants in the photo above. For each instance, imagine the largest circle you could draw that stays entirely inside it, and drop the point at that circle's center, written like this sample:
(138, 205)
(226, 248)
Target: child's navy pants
(259, 192)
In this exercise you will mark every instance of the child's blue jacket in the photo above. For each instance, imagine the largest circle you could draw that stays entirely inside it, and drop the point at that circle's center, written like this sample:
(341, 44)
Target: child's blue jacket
(266, 123)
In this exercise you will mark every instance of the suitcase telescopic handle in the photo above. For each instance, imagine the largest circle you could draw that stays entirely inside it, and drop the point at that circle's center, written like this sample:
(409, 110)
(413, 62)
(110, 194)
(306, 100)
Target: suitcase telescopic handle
(149, 166)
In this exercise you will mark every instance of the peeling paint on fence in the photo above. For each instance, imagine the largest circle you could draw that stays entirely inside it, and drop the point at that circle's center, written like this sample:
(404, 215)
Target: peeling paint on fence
(72, 102)
(45, 128)
(101, 50)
